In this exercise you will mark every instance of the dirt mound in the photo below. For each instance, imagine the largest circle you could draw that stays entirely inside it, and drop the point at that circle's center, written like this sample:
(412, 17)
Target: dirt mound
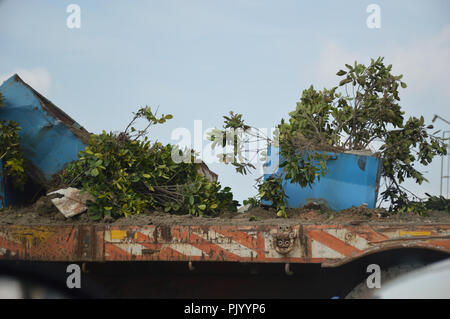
(43, 212)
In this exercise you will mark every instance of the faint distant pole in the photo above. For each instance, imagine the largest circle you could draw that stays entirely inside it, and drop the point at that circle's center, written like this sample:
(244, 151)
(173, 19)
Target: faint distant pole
(374, 19)
(446, 175)
(74, 19)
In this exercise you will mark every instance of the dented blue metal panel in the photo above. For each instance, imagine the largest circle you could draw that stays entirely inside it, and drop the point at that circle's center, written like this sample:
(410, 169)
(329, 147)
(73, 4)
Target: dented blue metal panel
(352, 180)
(49, 138)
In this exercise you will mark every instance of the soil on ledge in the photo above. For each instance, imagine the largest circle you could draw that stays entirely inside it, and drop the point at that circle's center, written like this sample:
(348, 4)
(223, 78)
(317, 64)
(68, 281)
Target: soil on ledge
(44, 213)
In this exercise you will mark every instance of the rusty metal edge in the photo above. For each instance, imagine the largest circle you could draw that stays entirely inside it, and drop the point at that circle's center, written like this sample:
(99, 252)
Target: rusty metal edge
(89, 244)
(330, 263)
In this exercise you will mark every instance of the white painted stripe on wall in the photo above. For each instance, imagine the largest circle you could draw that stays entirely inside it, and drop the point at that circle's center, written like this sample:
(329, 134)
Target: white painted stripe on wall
(319, 250)
(355, 240)
(227, 244)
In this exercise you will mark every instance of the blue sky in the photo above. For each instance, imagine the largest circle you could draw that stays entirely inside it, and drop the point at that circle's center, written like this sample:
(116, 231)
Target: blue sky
(200, 59)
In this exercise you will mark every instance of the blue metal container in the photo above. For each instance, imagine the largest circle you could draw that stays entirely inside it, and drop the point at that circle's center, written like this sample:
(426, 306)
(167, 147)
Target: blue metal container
(352, 180)
(49, 137)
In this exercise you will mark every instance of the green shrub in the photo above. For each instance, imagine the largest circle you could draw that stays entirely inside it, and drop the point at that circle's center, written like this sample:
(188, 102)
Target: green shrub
(365, 110)
(10, 152)
(127, 174)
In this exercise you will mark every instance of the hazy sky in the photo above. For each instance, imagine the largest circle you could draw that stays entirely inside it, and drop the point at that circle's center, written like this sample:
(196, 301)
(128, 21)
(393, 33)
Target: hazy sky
(200, 59)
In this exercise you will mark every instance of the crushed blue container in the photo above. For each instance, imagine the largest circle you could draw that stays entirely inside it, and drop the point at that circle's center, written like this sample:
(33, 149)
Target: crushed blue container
(352, 180)
(50, 139)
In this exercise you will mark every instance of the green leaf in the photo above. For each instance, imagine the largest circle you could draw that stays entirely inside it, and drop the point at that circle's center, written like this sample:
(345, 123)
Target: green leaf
(345, 81)
(94, 172)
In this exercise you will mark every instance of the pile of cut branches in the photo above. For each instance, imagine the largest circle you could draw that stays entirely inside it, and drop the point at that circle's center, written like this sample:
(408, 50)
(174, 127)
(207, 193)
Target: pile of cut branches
(127, 174)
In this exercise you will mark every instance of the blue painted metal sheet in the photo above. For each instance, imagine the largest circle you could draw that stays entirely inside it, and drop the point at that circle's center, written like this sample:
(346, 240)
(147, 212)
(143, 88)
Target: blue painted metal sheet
(352, 180)
(49, 138)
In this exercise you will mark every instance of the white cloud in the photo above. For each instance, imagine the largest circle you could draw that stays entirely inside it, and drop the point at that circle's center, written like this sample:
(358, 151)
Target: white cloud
(425, 62)
(38, 78)
(332, 58)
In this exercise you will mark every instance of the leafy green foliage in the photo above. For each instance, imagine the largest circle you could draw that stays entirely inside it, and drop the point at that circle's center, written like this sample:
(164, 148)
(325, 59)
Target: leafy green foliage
(272, 190)
(238, 135)
(10, 152)
(363, 108)
(127, 174)
(252, 201)
(432, 203)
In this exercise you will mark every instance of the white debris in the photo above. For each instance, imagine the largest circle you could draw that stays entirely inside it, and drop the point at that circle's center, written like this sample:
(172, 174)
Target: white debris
(244, 208)
(73, 201)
